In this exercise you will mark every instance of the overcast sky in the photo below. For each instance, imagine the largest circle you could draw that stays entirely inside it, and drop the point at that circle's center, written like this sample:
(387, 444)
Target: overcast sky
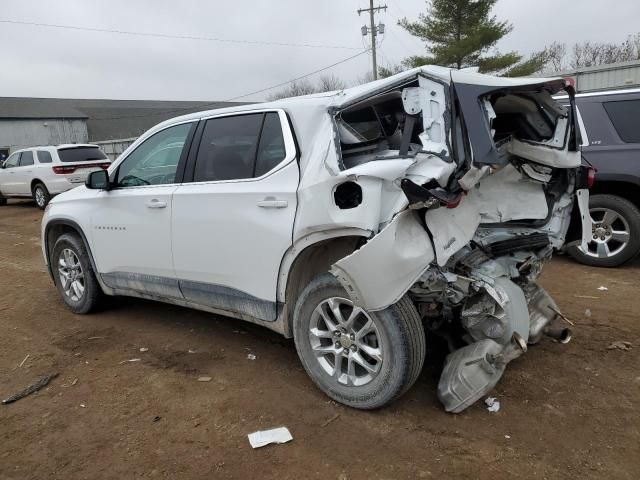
(42, 61)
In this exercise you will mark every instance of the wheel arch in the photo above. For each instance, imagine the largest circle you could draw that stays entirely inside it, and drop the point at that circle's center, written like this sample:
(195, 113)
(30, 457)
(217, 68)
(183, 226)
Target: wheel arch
(35, 181)
(309, 257)
(58, 227)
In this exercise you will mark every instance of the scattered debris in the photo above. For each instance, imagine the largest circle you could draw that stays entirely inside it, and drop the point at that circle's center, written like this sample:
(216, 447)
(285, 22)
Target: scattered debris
(493, 405)
(620, 345)
(74, 382)
(157, 418)
(204, 379)
(590, 297)
(33, 388)
(131, 360)
(507, 437)
(144, 349)
(94, 338)
(602, 288)
(251, 356)
(82, 405)
(265, 437)
(561, 315)
(327, 422)
(192, 351)
(25, 359)
(587, 313)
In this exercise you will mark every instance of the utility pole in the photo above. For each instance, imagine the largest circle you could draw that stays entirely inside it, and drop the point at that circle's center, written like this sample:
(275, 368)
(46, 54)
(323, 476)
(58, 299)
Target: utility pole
(375, 31)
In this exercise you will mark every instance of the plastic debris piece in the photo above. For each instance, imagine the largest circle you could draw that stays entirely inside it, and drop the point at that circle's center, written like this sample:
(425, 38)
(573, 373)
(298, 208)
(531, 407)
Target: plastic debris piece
(74, 381)
(493, 405)
(265, 437)
(204, 379)
(587, 313)
(131, 360)
(191, 351)
(507, 437)
(144, 349)
(33, 388)
(82, 405)
(251, 356)
(620, 345)
(602, 288)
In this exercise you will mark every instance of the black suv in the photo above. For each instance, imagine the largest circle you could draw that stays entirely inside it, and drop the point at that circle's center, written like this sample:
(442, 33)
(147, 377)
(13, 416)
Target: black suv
(610, 127)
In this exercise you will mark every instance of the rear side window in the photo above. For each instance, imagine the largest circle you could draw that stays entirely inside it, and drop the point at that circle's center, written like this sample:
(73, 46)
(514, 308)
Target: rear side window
(243, 146)
(625, 115)
(26, 159)
(44, 156)
(81, 154)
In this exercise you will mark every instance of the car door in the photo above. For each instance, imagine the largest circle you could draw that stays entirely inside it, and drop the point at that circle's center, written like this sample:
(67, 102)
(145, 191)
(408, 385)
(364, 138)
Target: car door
(23, 174)
(131, 224)
(233, 219)
(8, 174)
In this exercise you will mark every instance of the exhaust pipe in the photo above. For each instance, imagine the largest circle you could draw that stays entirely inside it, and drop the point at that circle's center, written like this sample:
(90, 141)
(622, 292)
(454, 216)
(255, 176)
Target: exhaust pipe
(563, 335)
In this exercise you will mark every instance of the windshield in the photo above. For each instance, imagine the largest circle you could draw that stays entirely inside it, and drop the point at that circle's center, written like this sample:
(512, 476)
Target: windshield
(81, 154)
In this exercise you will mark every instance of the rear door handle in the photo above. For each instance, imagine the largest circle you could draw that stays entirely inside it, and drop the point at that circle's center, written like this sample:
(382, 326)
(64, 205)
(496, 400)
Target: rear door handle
(272, 202)
(155, 203)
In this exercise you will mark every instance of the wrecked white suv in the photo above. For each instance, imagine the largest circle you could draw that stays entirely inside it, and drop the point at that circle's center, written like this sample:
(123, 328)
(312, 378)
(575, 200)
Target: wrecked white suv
(357, 222)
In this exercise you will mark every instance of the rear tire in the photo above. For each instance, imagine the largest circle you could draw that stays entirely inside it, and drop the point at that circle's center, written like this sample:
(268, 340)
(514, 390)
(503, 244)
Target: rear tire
(73, 275)
(41, 195)
(612, 216)
(379, 354)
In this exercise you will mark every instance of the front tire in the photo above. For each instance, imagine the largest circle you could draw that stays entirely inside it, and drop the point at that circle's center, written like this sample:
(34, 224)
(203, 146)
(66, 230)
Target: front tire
(616, 235)
(41, 195)
(73, 275)
(362, 359)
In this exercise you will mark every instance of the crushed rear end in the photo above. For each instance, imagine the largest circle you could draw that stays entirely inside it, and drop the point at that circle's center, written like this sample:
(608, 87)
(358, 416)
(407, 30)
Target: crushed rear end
(475, 180)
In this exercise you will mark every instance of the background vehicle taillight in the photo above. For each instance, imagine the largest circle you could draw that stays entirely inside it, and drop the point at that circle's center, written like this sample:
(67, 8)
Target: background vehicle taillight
(61, 170)
(591, 177)
(105, 165)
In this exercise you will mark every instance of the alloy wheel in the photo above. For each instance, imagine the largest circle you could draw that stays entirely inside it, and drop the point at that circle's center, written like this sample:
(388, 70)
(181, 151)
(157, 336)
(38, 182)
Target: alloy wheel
(610, 233)
(346, 342)
(71, 275)
(40, 198)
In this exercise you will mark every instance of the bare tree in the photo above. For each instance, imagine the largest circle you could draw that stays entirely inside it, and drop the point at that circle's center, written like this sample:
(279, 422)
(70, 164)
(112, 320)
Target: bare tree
(556, 57)
(295, 89)
(329, 83)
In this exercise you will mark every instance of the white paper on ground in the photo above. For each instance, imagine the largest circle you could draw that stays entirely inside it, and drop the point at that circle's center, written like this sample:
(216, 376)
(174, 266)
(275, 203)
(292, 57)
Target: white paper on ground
(265, 437)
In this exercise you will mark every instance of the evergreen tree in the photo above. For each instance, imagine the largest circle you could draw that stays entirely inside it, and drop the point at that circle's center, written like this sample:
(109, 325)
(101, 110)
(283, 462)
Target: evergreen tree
(460, 34)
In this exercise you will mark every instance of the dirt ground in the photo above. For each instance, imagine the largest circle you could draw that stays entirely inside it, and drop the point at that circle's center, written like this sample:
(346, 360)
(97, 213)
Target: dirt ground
(568, 411)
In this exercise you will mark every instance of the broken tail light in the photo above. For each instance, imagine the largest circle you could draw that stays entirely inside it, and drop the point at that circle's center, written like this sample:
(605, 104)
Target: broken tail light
(66, 169)
(591, 177)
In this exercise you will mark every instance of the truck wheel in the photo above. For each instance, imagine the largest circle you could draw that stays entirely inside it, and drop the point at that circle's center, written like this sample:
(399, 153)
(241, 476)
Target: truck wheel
(361, 359)
(615, 236)
(73, 274)
(41, 195)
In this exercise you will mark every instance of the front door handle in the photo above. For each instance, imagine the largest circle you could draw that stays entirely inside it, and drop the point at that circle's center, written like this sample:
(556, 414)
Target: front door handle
(272, 202)
(155, 203)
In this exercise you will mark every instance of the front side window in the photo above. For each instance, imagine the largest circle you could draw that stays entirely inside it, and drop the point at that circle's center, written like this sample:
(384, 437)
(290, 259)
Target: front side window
(26, 159)
(12, 161)
(44, 156)
(625, 115)
(155, 161)
(243, 146)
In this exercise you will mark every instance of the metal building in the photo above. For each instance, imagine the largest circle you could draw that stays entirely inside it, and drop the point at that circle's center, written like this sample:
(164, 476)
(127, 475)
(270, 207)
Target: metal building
(604, 77)
(113, 124)
(38, 123)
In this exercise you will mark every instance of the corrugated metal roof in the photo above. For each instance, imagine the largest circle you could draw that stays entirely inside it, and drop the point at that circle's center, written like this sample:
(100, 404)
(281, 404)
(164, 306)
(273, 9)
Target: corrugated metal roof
(30, 108)
(106, 119)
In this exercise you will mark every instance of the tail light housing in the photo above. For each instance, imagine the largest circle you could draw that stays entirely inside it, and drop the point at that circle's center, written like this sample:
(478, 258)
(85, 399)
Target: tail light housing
(591, 177)
(66, 169)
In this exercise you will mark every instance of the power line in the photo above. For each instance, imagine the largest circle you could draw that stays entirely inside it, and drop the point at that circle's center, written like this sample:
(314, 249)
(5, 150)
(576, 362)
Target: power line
(180, 37)
(203, 105)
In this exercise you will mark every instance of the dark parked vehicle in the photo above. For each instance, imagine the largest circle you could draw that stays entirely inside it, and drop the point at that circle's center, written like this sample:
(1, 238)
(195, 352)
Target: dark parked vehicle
(610, 127)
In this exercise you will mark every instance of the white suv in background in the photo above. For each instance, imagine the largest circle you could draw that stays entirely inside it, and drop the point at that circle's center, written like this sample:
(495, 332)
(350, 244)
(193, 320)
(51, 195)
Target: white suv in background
(41, 172)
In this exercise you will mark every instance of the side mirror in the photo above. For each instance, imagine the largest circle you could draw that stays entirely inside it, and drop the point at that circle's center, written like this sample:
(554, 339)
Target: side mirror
(98, 180)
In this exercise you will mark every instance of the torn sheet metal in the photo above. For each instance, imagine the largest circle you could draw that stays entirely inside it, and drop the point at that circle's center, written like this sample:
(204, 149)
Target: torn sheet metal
(380, 272)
